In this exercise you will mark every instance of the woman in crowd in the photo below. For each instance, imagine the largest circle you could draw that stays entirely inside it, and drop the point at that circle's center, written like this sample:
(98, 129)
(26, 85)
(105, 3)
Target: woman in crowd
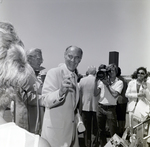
(138, 94)
(137, 90)
(14, 73)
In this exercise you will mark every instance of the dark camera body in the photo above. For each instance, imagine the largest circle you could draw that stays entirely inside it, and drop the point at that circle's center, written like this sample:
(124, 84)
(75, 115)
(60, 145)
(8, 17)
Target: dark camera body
(103, 74)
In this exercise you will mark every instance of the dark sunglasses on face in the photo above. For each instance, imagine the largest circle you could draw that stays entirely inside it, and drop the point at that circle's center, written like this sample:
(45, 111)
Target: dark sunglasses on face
(141, 73)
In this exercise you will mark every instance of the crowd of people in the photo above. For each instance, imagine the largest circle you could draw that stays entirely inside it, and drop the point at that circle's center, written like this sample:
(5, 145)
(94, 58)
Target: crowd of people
(48, 110)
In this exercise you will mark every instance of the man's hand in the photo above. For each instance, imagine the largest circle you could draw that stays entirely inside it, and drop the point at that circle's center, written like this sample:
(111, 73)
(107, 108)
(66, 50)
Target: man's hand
(67, 84)
(106, 81)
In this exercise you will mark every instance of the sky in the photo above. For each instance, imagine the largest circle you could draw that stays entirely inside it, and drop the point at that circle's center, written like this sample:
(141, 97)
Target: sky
(96, 26)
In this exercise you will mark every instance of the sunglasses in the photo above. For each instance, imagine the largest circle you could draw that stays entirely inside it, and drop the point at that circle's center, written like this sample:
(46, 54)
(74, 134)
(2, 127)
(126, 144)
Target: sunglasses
(141, 73)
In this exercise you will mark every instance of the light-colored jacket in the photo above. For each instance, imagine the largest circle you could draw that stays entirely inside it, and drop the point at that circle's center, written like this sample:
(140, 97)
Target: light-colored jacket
(132, 95)
(59, 127)
(89, 101)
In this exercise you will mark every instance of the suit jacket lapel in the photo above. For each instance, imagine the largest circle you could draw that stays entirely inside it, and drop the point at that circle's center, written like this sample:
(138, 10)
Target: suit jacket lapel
(67, 72)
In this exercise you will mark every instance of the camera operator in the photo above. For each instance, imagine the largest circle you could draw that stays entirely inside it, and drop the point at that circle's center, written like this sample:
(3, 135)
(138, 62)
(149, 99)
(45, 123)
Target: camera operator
(108, 86)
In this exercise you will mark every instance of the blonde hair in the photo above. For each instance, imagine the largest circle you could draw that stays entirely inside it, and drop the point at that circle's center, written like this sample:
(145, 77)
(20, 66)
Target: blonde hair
(14, 68)
(15, 71)
(8, 28)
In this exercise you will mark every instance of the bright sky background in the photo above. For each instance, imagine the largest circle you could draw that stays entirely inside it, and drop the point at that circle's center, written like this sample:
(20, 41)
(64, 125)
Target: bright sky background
(97, 26)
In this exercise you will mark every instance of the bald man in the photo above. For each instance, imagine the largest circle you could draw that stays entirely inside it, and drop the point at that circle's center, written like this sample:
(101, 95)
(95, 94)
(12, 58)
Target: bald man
(61, 95)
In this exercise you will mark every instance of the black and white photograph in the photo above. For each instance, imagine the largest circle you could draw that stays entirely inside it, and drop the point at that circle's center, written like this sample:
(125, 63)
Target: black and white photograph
(74, 73)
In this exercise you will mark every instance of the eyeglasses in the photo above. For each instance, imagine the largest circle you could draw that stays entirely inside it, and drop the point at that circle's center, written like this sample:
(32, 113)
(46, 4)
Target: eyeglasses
(141, 73)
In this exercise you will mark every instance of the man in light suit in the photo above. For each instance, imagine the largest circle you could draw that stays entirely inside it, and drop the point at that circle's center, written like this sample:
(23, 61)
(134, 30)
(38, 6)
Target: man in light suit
(61, 96)
(89, 104)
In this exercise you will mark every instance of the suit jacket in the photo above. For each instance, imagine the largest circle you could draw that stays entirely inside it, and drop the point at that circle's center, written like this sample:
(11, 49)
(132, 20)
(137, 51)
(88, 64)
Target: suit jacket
(21, 113)
(89, 101)
(26, 106)
(59, 125)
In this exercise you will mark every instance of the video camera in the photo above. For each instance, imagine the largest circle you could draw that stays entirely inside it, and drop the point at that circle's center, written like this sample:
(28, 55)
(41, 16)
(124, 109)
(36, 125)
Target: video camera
(103, 73)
